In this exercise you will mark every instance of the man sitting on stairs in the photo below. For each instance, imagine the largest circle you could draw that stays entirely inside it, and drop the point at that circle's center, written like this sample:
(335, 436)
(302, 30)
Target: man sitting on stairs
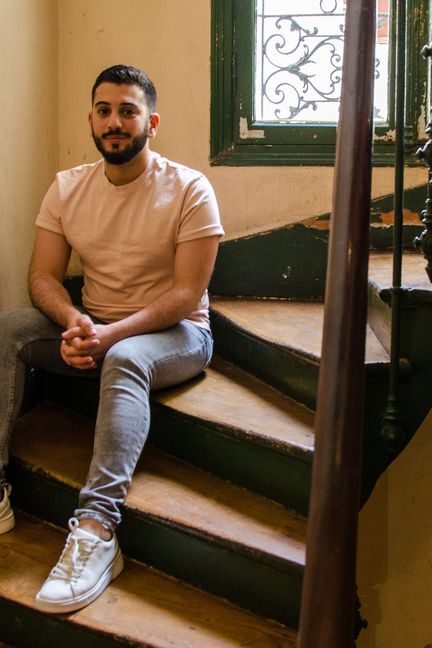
(146, 231)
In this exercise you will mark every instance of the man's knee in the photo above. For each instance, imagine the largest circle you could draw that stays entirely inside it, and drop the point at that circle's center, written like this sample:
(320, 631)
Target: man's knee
(24, 324)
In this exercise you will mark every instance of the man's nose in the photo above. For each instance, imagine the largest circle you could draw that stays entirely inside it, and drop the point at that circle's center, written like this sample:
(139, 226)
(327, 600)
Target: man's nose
(114, 121)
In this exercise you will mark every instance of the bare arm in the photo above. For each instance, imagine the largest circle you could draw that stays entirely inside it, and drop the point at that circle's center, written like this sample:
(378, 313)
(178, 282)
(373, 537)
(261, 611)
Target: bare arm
(48, 265)
(51, 254)
(194, 261)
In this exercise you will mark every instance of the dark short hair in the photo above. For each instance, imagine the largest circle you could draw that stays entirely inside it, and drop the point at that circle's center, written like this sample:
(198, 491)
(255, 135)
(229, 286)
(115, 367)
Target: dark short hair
(129, 75)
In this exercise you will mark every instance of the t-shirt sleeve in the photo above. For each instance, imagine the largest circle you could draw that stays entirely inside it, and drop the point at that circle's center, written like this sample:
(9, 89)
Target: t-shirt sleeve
(200, 213)
(49, 214)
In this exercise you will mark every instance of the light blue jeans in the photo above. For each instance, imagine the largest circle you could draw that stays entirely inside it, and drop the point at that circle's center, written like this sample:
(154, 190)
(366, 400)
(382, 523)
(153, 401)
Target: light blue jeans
(130, 370)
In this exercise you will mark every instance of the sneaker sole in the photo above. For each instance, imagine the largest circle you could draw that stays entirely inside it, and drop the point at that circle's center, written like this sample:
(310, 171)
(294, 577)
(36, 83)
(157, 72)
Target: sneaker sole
(71, 605)
(7, 524)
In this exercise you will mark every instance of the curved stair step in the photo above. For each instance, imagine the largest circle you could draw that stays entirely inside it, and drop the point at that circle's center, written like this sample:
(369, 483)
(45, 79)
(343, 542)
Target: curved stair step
(292, 325)
(235, 400)
(279, 341)
(177, 517)
(141, 607)
(418, 289)
(229, 422)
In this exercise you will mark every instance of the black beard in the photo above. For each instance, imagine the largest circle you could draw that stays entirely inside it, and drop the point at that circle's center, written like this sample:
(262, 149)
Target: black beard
(128, 153)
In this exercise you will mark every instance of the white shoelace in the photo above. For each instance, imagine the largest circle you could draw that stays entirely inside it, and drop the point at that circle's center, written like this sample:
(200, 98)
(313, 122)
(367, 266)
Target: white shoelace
(74, 556)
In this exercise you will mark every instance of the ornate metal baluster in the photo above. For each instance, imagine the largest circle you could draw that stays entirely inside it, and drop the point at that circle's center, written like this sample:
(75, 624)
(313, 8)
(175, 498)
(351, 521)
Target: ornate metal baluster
(392, 432)
(424, 241)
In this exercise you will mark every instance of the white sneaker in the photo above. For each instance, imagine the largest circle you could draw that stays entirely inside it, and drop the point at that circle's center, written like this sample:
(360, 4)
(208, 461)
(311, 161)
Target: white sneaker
(7, 519)
(86, 566)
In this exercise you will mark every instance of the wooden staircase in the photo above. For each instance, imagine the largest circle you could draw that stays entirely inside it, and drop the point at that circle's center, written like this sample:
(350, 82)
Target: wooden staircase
(214, 524)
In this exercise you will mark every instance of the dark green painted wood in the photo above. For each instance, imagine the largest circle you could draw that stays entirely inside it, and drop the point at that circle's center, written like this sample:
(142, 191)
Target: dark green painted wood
(270, 592)
(415, 376)
(291, 261)
(37, 494)
(293, 144)
(261, 583)
(22, 626)
(280, 476)
(271, 471)
(286, 262)
(289, 371)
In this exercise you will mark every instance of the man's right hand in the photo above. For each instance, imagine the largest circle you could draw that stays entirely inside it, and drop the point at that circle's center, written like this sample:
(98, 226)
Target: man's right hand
(79, 340)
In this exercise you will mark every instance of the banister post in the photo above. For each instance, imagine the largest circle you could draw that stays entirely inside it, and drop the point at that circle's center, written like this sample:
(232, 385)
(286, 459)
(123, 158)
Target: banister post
(328, 601)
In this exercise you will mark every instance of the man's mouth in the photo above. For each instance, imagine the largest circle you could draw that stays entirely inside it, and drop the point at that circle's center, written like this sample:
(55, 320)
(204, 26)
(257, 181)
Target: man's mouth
(113, 137)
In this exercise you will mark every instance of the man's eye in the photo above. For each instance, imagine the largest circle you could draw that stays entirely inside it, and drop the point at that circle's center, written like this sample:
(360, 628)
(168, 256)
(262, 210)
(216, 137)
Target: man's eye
(102, 111)
(128, 112)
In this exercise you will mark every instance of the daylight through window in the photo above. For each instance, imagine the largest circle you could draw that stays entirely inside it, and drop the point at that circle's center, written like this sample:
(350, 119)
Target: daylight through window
(299, 56)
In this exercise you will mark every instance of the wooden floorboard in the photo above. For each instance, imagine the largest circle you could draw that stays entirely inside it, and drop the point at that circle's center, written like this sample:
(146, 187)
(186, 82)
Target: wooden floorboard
(141, 606)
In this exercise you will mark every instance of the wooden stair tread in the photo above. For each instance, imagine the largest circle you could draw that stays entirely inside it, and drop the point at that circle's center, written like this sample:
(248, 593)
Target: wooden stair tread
(413, 270)
(251, 407)
(295, 325)
(142, 606)
(166, 488)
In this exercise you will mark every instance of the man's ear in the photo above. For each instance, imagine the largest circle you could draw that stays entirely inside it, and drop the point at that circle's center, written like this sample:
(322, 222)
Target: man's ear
(154, 121)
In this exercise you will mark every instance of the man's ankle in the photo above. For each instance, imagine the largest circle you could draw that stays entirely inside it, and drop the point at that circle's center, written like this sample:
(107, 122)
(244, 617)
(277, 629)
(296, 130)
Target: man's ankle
(96, 528)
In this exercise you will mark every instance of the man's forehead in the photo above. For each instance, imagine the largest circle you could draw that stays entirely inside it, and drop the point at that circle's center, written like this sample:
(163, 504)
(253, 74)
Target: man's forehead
(119, 93)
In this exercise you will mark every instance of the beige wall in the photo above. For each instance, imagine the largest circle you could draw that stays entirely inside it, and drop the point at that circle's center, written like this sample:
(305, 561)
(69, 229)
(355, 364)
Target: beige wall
(395, 551)
(49, 65)
(170, 39)
(45, 101)
(29, 132)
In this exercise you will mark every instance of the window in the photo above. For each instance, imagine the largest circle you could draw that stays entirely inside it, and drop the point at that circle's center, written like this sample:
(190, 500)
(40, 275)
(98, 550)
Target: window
(276, 70)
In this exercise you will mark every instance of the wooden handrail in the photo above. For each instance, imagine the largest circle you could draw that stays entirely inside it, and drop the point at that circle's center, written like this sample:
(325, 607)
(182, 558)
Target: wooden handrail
(328, 601)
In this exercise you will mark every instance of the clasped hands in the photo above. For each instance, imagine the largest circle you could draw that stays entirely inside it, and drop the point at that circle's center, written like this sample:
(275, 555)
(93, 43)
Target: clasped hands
(85, 343)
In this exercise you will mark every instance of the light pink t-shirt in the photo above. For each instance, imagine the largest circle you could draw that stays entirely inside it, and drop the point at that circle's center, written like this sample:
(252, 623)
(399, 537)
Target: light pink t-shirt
(126, 236)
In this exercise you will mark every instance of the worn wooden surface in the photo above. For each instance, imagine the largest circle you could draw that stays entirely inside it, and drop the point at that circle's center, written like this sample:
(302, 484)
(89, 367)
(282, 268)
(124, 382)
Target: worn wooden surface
(235, 399)
(413, 270)
(165, 488)
(295, 325)
(141, 606)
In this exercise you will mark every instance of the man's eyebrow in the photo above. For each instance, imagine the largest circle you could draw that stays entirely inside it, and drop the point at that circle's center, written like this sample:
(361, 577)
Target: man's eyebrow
(123, 103)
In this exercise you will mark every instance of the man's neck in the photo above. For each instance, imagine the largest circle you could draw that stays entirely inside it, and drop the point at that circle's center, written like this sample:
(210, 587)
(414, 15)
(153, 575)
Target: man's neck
(121, 174)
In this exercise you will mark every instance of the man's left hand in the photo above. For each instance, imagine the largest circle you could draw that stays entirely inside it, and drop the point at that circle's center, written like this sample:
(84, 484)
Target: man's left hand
(76, 345)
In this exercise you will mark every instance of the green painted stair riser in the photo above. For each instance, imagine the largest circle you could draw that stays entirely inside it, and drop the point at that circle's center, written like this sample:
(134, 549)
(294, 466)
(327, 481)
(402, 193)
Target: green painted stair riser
(265, 586)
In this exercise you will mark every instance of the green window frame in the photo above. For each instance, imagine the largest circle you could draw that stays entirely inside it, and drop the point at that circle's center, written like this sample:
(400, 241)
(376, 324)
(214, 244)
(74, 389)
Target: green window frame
(237, 140)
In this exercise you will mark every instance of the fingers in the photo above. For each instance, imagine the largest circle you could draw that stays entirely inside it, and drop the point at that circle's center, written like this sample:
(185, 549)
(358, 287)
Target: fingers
(78, 331)
(87, 325)
(77, 358)
(82, 326)
(79, 343)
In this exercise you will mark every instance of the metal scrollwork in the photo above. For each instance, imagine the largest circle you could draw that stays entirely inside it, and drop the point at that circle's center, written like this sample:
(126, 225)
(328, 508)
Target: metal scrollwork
(424, 241)
(300, 62)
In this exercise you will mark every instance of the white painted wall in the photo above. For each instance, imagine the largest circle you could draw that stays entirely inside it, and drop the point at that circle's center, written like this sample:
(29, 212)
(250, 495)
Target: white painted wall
(29, 132)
